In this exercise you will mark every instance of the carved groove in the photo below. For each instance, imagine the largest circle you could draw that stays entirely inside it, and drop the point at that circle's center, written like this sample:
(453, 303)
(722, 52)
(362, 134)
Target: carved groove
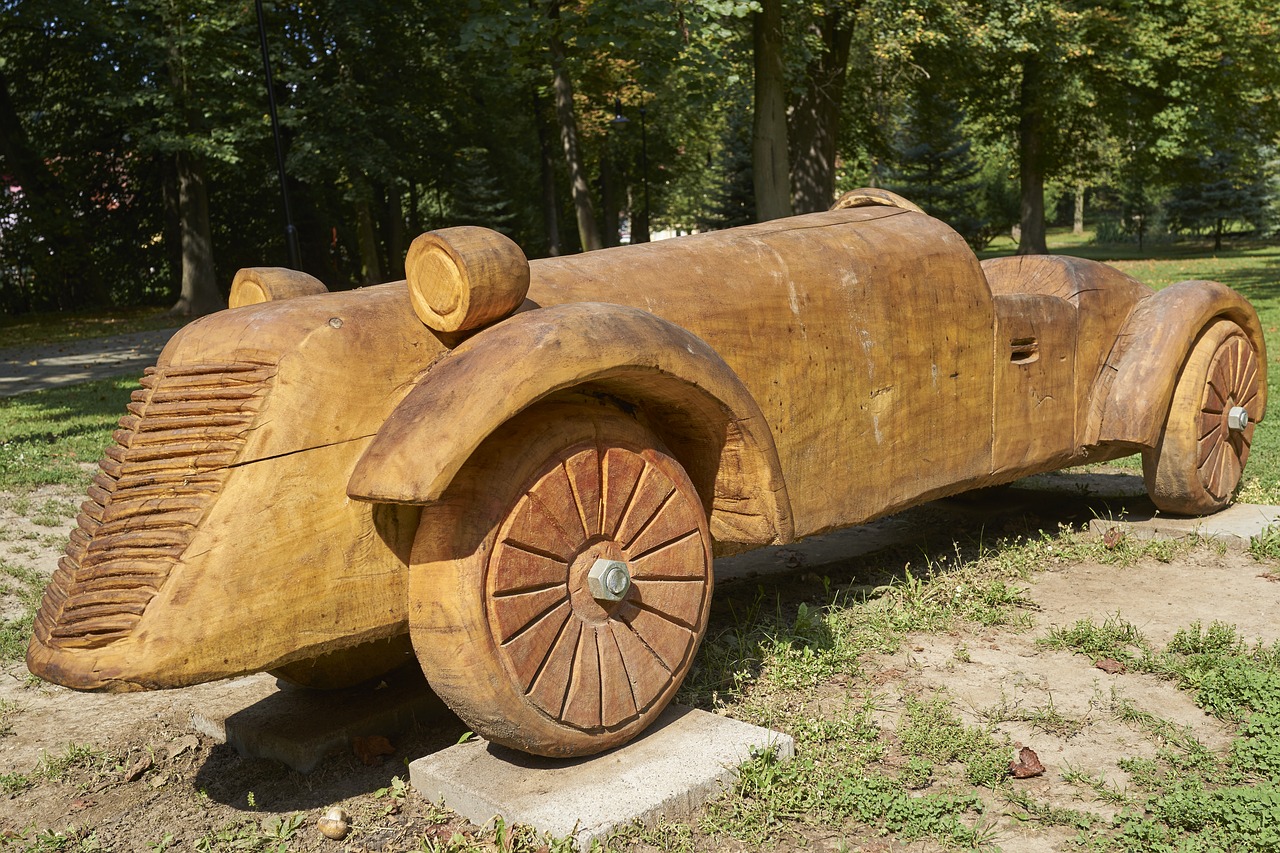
(157, 482)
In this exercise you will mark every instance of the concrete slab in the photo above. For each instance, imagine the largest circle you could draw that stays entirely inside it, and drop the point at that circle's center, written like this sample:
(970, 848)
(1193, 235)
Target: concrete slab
(299, 727)
(684, 759)
(1234, 526)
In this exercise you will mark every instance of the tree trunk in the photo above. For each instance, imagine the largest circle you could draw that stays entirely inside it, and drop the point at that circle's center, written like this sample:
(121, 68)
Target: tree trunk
(200, 294)
(396, 244)
(1077, 223)
(550, 207)
(366, 238)
(1031, 160)
(588, 233)
(769, 127)
(815, 122)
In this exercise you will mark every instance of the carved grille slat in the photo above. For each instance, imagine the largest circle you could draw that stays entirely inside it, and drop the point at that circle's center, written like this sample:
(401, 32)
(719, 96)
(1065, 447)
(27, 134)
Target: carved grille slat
(170, 459)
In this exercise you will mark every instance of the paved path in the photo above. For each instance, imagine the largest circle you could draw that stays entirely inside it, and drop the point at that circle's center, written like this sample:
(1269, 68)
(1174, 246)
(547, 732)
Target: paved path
(25, 369)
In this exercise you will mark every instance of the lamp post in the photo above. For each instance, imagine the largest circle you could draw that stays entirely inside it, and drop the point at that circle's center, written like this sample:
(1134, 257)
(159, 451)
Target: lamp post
(641, 235)
(290, 233)
(609, 180)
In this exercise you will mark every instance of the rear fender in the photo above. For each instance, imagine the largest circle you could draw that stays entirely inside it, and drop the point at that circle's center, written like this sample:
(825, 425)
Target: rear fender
(686, 391)
(1131, 397)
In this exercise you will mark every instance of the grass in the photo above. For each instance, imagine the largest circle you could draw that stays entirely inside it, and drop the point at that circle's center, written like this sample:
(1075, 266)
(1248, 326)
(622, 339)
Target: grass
(1188, 797)
(28, 330)
(50, 437)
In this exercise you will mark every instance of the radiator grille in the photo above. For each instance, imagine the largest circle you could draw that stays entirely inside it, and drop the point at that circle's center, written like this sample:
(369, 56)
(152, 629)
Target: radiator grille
(169, 461)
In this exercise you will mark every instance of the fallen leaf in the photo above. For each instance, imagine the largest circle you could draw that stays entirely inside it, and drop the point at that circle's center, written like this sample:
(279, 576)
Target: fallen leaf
(371, 749)
(1027, 765)
(181, 745)
(1113, 538)
(142, 765)
(1111, 666)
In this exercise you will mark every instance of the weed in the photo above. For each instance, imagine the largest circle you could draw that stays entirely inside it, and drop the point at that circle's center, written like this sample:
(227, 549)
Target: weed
(54, 512)
(1266, 545)
(271, 835)
(74, 757)
(1032, 809)
(1114, 638)
(12, 783)
(1047, 718)
(930, 730)
(1098, 785)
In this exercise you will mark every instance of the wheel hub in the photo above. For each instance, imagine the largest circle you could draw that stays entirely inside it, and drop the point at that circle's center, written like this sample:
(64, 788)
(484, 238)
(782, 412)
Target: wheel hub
(609, 580)
(1237, 418)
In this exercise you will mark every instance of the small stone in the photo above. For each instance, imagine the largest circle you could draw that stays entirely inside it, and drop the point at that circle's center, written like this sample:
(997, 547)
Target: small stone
(335, 824)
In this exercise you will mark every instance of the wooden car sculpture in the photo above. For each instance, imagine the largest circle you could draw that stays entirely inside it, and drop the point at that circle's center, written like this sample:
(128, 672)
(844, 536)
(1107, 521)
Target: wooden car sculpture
(520, 472)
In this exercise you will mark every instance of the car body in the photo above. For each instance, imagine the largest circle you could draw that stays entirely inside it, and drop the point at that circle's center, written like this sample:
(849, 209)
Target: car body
(306, 482)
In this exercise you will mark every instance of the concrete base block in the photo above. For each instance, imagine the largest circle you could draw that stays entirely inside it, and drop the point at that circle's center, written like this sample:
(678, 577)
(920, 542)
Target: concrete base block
(1234, 526)
(299, 727)
(684, 759)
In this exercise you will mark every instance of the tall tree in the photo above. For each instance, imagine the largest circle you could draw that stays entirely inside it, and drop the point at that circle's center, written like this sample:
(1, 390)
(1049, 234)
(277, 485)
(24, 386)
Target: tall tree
(815, 120)
(769, 129)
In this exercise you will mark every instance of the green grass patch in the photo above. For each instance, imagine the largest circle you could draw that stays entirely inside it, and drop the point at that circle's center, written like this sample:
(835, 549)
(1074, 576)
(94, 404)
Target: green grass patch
(26, 585)
(1192, 799)
(30, 330)
(46, 437)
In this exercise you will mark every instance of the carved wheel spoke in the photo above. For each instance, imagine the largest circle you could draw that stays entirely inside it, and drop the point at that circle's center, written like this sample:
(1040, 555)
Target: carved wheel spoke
(588, 663)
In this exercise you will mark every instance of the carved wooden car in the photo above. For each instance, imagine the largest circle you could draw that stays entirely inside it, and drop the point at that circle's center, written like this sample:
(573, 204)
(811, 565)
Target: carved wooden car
(529, 491)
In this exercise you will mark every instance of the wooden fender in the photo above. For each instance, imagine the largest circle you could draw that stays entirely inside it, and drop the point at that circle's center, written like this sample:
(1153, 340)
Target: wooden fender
(1132, 394)
(701, 408)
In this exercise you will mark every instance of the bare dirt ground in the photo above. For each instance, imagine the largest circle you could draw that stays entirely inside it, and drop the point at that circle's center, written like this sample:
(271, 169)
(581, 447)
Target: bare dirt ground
(81, 772)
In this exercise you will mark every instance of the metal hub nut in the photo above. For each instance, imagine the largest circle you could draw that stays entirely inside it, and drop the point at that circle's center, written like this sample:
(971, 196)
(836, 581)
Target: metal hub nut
(1237, 418)
(609, 580)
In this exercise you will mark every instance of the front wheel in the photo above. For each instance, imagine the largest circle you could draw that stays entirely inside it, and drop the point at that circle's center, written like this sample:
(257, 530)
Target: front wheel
(1196, 466)
(558, 597)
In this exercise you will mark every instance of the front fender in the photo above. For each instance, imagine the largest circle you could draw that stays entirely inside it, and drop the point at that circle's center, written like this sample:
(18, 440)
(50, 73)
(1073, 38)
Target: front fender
(697, 402)
(1133, 391)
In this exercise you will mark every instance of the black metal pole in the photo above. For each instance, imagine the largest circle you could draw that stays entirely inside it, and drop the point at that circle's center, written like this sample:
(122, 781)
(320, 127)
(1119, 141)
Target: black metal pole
(290, 233)
(644, 176)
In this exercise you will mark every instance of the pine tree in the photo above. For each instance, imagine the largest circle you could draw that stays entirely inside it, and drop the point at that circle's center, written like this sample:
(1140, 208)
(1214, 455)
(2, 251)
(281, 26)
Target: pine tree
(478, 198)
(1221, 188)
(935, 167)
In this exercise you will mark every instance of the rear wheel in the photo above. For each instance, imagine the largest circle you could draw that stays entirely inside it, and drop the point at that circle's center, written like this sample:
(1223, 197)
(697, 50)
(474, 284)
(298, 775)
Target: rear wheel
(557, 600)
(1197, 464)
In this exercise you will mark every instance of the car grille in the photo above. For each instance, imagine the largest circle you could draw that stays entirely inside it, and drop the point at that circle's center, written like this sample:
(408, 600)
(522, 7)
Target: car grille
(170, 459)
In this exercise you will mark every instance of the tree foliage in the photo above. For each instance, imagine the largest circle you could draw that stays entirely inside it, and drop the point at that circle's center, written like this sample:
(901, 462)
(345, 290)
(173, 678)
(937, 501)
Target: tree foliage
(138, 163)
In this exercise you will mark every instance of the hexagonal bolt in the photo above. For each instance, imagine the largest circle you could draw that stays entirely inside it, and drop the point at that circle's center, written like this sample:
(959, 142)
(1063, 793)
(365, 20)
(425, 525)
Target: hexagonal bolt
(609, 580)
(1237, 418)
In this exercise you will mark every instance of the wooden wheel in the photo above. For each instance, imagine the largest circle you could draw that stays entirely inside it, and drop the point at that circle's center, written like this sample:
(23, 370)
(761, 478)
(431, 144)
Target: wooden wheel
(1195, 468)
(511, 613)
